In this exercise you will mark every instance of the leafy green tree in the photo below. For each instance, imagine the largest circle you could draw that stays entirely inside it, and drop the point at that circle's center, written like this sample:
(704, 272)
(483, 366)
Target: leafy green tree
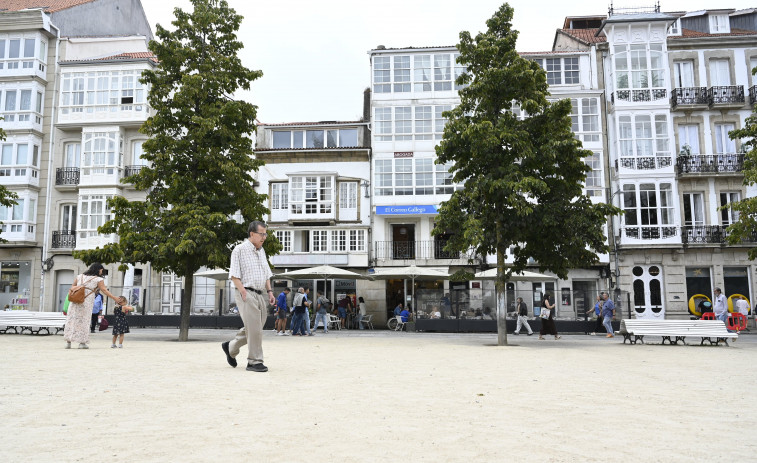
(7, 197)
(745, 229)
(522, 178)
(199, 152)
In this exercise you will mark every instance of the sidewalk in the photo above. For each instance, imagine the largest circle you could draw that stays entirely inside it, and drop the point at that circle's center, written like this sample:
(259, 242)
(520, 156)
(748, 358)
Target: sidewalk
(372, 396)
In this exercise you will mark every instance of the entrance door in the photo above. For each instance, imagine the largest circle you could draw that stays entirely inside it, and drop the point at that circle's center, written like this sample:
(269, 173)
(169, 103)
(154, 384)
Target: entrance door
(65, 280)
(403, 238)
(647, 292)
(584, 295)
(170, 293)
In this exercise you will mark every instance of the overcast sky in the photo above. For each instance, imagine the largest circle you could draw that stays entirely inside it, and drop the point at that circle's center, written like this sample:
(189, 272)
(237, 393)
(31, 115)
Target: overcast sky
(313, 54)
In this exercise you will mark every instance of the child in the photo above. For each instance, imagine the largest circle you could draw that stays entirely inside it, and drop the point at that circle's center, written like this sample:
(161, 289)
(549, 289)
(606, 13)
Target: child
(120, 325)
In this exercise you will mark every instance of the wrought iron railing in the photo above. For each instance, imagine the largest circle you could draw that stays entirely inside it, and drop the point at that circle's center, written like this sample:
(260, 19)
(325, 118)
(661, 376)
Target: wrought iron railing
(710, 163)
(67, 176)
(709, 234)
(688, 96)
(405, 250)
(729, 94)
(640, 95)
(646, 162)
(64, 239)
(752, 94)
(132, 170)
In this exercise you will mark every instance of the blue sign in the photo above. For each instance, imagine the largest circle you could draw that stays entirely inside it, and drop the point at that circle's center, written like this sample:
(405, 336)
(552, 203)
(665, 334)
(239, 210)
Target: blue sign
(406, 210)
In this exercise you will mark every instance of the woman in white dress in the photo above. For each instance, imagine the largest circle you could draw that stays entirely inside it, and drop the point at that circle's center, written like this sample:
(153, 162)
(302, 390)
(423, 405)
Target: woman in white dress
(80, 315)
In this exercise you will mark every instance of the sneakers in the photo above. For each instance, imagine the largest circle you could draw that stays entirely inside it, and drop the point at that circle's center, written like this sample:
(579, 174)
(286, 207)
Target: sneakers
(279, 333)
(231, 360)
(68, 345)
(83, 346)
(516, 334)
(531, 334)
(120, 346)
(592, 334)
(113, 346)
(258, 367)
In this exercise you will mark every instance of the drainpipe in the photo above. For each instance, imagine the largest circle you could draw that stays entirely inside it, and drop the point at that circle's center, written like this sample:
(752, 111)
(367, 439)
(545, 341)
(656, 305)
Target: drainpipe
(50, 153)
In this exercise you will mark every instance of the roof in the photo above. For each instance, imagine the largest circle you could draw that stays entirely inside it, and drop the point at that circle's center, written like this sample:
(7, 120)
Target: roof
(141, 55)
(51, 6)
(382, 49)
(692, 34)
(586, 36)
(551, 52)
(294, 124)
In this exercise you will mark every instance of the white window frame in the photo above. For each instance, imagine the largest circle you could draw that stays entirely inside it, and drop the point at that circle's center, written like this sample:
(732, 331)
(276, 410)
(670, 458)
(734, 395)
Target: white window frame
(683, 73)
(693, 203)
(348, 195)
(68, 217)
(279, 196)
(401, 73)
(319, 240)
(651, 207)
(102, 153)
(728, 215)
(357, 241)
(311, 194)
(723, 143)
(103, 91)
(285, 238)
(338, 240)
(593, 185)
(93, 213)
(719, 24)
(382, 74)
(720, 73)
(688, 135)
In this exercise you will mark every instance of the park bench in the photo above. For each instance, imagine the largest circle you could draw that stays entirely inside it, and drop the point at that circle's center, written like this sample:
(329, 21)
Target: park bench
(34, 322)
(675, 331)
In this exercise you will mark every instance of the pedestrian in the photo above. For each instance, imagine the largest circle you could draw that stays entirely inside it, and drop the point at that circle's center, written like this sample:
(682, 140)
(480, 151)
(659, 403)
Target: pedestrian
(120, 324)
(548, 324)
(598, 314)
(345, 305)
(361, 312)
(522, 311)
(608, 312)
(719, 307)
(250, 273)
(321, 312)
(79, 315)
(307, 312)
(96, 309)
(300, 309)
(282, 310)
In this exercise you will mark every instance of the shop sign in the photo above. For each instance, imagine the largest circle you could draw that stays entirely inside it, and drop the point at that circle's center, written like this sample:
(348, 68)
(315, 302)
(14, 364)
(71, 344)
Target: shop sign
(406, 210)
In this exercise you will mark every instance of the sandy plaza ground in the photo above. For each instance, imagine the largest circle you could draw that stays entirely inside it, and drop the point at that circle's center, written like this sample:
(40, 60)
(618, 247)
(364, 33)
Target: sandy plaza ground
(374, 397)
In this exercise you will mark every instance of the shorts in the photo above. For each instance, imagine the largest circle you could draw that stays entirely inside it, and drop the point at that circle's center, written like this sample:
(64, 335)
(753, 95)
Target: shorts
(281, 315)
(342, 312)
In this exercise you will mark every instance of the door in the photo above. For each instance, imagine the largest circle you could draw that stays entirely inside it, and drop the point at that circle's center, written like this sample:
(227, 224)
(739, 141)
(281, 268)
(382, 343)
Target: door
(647, 292)
(170, 293)
(728, 215)
(684, 74)
(584, 293)
(73, 155)
(688, 136)
(720, 75)
(693, 216)
(68, 218)
(65, 280)
(403, 241)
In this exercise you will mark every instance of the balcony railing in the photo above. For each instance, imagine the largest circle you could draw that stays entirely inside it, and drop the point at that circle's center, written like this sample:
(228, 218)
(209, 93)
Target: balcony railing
(689, 96)
(710, 163)
(731, 94)
(640, 95)
(132, 170)
(753, 94)
(64, 239)
(646, 162)
(408, 250)
(708, 234)
(650, 232)
(67, 176)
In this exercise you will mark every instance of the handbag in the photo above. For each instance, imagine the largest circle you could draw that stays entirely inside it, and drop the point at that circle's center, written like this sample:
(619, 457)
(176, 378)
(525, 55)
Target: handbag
(103, 324)
(78, 293)
(545, 312)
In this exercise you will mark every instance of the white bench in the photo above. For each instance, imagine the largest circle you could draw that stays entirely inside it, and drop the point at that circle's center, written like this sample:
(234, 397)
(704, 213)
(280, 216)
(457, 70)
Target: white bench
(34, 322)
(675, 331)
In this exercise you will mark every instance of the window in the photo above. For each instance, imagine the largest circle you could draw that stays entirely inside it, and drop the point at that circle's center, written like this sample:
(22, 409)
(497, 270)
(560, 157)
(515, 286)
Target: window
(100, 153)
(675, 28)
(381, 75)
(68, 217)
(314, 139)
(311, 195)
(279, 196)
(639, 68)
(646, 209)
(383, 177)
(282, 139)
(93, 214)
(720, 75)
(459, 70)
(443, 179)
(422, 74)
(693, 209)
(357, 240)
(403, 177)
(72, 155)
(723, 143)
(684, 74)
(644, 136)
(401, 74)
(688, 138)
(319, 240)
(136, 154)
(593, 183)
(553, 66)
(347, 138)
(339, 240)
(440, 121)
(585, 118)
(728, 215)
(348, 195)
(442, 73)
(102, 91)
(423, 123)
(719, 24)
(285, 238)
(383, 124)
(424, 177)
(403, 123)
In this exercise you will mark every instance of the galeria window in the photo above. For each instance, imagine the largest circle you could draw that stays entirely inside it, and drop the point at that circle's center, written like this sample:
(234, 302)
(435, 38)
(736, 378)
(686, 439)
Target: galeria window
(408, 122)
(408, 177)
(644, 137)
(311, 194)
(93, 213)
(316, 138)
(19, 52)
(15, 159)
(102, 91)
(19, 105)
(102, 153)
(585, 118)
(560, 71)
(639, 72)
(648, 211)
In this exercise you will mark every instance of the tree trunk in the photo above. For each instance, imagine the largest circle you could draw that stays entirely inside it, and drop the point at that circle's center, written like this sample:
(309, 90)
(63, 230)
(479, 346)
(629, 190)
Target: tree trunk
(499, 286)
(186, 304)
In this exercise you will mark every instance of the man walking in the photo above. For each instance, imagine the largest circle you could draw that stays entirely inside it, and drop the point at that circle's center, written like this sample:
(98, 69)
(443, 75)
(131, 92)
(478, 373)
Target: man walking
(522, 314)
(281, 312)
(250, 273)
(720, 308)
(608, 312)
(321, 314)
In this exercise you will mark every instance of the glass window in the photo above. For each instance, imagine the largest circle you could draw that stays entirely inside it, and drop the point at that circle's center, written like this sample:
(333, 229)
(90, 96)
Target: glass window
(443, 179)
(424, 176)
(383, 177)
(339, 240)
(22, 154)
(282, 139)
(442, 72)
(298, 137)
(348, 195)
(314, 139)
(423, 123)
(381, 75)
(29, 48)
(401, 74)
(403, 121)
(279, 196)
(554, 71)
(285, 238)
(14, 48)
(403, 177)
(728, 215)
(383, 124)
(331, 138)
(348, 137)
(440, 121)
(571, 70)
(593, 182)
(422, 76)
(357, 240)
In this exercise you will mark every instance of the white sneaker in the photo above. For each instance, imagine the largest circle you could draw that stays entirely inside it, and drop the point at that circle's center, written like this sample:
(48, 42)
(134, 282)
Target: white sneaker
(113, 346)
(120, 346)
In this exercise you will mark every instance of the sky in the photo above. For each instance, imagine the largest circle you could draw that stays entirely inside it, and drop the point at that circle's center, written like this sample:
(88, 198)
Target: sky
(314, 54)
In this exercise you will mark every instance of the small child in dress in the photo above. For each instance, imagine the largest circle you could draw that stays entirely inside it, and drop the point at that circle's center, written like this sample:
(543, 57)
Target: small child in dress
(120, 325)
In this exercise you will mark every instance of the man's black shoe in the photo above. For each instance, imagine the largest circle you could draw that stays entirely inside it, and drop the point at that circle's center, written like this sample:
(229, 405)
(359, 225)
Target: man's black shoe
(259, 367)
(516, 334)
(232, 361)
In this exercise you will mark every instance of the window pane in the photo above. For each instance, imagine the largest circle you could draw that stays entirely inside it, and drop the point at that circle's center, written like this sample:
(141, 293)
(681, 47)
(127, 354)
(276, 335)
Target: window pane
(282, 139)
(348, 137)
(22, 154)
(314, 139)
(331, 136)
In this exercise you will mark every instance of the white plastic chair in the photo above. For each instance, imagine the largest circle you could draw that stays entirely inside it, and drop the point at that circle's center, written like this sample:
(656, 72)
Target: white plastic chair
(400, 323)
(334, 322)
(366, 321)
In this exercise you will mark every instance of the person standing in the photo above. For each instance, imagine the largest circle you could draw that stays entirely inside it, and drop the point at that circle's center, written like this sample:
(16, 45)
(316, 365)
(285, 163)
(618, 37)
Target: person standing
(361, 312)
(80, 313)
(719, 307)
(345, 306)
(548, 324)
(321, 312)
(120, 324)
(300, 309)
(96, 309)
(598, 313)
(250, 273)
(282, 310)
(522, 320)
(608, 312)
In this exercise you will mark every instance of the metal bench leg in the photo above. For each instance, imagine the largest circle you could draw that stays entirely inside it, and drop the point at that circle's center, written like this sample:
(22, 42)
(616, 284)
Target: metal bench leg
(668, 338)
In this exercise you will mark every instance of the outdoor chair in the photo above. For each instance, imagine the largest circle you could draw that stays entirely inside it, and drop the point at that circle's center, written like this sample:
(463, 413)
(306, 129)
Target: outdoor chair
(334, 322)
(366, 321)
(400, 323)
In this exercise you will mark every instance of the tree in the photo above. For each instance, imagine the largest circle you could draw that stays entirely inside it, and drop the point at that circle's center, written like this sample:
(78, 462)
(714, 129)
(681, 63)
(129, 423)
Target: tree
(199, 154)
(7, 197)
(522, 178)
(745, 229)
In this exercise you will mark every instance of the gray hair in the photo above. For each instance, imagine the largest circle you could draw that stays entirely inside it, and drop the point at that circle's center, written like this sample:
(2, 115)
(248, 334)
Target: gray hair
(300, 289)
(254, 226)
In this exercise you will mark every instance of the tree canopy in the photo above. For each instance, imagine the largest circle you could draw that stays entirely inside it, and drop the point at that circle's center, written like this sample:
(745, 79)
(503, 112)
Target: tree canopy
(200, 163)
(520, 165)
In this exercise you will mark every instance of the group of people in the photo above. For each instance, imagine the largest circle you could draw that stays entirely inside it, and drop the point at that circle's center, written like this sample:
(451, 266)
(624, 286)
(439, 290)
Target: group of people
(604, 309)
(300, 311)
(82, 317)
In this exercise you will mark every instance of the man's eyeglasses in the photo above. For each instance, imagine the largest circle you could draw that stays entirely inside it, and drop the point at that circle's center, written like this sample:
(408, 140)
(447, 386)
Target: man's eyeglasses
(264, 235)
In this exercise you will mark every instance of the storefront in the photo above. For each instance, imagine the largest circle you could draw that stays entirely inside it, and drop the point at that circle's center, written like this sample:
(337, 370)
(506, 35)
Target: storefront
(15, 285)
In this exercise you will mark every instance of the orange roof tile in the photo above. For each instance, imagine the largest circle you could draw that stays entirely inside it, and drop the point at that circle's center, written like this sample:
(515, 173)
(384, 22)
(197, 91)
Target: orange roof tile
(587, 36)
(51, 6)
